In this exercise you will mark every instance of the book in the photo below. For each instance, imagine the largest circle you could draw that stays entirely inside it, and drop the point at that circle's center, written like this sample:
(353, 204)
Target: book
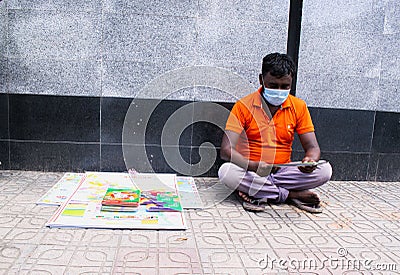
(120, 199)
(113, 208)
(160, 201)
(299, 163)
(190, 197)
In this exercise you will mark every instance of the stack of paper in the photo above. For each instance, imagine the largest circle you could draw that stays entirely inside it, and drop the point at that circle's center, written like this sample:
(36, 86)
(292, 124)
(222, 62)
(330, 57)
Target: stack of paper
(190, 197)
(160, 206)
(121, 200)
(63, 189)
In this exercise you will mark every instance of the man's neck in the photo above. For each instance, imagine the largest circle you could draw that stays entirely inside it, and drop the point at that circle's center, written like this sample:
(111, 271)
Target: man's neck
(269, 109)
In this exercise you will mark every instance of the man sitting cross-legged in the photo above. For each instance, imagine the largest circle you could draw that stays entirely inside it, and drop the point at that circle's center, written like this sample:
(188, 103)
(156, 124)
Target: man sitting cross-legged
(259, 133)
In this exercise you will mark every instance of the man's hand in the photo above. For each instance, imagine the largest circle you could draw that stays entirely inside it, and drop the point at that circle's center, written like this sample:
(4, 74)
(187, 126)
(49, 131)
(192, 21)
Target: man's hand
(264, 169)
(307, 169)
(312, 151)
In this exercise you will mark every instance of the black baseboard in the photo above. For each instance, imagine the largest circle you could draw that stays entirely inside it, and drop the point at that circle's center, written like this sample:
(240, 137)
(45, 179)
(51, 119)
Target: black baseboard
(59, 133)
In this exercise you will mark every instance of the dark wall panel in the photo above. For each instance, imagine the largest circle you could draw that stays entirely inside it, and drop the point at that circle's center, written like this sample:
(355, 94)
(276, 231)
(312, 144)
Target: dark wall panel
(347, 166)
(113, 111)
(372, 167)
(206, 132)
(159, 117)
(386, 133)
(4, 155)
(4, 116)
(54, 118)
(200, 165)
(343, 130)
(112, 159)
(44, 156)
(388, 167)
(172, 160)
(209, 122)
(146, 121)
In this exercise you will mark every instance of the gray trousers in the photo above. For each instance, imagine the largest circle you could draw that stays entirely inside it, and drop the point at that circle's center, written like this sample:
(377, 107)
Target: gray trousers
(274, 187)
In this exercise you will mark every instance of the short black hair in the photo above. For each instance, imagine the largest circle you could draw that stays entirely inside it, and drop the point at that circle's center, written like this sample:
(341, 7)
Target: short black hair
(278, 65)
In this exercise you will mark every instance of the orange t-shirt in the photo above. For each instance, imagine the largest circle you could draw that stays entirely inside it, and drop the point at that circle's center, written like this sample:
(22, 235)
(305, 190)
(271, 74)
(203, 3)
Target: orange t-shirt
(265, 139)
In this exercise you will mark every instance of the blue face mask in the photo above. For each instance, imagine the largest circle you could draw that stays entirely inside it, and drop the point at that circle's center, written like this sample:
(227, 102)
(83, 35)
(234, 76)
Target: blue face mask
(275, 97)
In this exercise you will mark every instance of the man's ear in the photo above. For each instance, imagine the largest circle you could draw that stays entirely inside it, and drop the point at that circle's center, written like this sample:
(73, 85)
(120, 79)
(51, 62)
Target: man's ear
(260, 78)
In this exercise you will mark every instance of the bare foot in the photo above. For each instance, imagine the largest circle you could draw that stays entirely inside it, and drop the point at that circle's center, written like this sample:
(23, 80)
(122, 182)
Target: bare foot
(305, 196)
(245, 197)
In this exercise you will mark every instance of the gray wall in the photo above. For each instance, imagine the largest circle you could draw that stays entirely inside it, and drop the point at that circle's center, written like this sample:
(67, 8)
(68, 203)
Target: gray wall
(3, 48)
(349, 54)
(115, 47)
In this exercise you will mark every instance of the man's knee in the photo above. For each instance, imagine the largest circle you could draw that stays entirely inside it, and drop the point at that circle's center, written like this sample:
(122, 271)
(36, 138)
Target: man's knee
(229, 174)
(324, 173)
(222, 171)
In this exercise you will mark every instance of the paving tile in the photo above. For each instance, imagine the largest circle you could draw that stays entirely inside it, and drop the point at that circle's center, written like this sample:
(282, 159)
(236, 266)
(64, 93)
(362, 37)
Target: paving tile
(352, 240)
(33, 222)
(264, 271)
(215, 241)
(138, 239)
(319, 240)
(234, 213)
(24, 236)
(361, 218)
(51, 255)
(40, 269)
(220, 258)
(229, 202)
(26, 198)
(92, 256)
(268, 215)
(338, 226)
(255, 258)
(250, 241)
(225, 271)
(238, 226)
(14, 207)
(131, 257)
(271, 227)
(209, 226)
(206, 214)
(14, 254)
(9, 220)
(379, 239)
(175, 239)
(4, 231)
(287, 241)
(64, 237)
(134, 270)
(179, 257)
(101, 238)
(305, 226)
(392, 227)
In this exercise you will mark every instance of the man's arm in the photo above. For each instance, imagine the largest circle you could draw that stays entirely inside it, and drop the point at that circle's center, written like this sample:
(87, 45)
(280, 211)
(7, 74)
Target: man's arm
(311, 149)
(229, 153)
